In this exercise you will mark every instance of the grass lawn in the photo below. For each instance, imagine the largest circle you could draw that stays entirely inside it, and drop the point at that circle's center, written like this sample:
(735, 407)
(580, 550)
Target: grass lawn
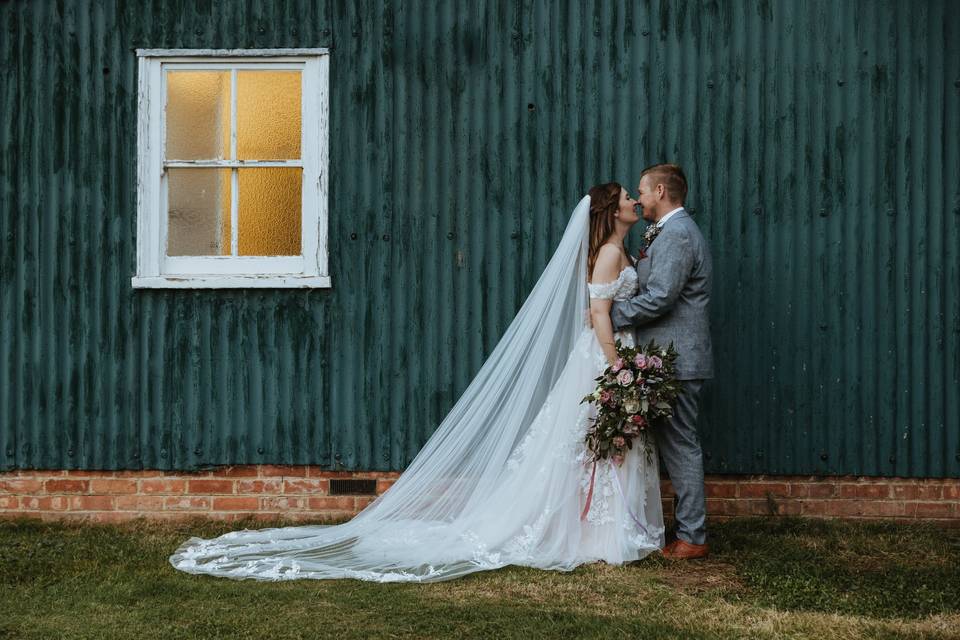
(781, 578)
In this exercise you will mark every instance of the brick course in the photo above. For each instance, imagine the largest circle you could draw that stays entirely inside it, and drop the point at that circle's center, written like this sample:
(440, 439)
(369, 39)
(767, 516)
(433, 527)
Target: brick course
(301, 493)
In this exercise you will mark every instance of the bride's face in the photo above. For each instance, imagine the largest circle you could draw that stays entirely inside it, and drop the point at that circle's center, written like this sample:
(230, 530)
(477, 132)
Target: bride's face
(627, 211)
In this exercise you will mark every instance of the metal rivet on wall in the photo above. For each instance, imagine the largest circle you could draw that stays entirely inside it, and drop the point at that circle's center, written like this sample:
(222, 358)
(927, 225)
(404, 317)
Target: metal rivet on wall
(824, 213)
(69, 452)
(823, 455)
(531, 107)
(758, 211)
(260, 450)
(893, 459)
(353, 236)
(386, 237)
(198, 451)
(451, 235)
(645, 32)
(840, 83)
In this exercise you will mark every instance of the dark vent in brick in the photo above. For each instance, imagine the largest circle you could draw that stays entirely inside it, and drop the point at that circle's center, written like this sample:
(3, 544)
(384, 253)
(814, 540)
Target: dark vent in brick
(341, 487)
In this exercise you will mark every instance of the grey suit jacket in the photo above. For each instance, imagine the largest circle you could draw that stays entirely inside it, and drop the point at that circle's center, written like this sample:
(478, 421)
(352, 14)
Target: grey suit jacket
(673, 302)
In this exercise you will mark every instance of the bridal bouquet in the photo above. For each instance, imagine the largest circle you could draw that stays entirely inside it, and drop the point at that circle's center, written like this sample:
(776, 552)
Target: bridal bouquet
(632, 394)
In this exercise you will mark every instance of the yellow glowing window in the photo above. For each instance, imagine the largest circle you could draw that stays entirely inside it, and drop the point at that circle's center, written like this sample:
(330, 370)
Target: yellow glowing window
(200, 126)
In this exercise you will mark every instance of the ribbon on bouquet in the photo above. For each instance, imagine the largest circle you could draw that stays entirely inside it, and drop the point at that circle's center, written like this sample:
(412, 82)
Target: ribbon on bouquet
(616, 483)
(586, 507)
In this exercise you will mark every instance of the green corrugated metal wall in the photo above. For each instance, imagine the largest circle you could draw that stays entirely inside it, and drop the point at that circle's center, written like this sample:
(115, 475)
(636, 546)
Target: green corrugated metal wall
(820, 138)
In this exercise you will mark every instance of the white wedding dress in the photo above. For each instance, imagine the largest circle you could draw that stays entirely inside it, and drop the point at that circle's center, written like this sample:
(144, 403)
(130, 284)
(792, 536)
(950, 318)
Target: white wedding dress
(505, 478)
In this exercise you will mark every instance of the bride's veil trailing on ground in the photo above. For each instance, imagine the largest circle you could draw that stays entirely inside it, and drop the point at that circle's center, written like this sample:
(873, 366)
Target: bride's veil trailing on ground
(415, 531)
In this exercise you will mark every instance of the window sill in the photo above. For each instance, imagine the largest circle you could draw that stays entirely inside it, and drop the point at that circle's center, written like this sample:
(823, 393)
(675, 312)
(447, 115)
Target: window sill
(231, 282)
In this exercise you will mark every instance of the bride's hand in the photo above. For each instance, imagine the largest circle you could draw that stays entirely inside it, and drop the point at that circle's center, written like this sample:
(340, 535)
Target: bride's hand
(610, 353)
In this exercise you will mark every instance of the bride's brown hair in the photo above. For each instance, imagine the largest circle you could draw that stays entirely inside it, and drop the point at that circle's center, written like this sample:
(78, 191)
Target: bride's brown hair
(604, 202)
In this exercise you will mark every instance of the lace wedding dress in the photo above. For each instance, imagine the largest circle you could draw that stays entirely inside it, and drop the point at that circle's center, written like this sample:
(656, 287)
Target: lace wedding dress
(505, 478)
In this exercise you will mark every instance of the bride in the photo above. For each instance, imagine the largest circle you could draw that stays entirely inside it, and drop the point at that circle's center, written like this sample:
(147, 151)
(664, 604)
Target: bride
(506, 478)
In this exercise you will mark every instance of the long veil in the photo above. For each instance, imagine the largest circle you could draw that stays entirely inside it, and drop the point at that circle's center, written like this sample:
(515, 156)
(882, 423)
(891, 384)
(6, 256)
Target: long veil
(414, 531)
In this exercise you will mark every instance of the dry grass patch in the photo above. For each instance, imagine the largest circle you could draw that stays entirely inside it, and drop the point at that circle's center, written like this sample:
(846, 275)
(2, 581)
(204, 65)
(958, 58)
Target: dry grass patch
(704, 576)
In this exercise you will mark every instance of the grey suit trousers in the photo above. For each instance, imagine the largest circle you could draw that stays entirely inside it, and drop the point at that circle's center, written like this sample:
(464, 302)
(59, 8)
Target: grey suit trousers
(679, 447)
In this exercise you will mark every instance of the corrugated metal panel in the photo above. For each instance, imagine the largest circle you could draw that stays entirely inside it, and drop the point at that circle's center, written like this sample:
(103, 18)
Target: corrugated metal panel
(821, 143)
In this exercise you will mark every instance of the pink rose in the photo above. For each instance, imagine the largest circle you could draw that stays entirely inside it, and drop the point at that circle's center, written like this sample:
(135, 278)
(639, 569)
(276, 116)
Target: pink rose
(631, 429)
(640, 361)
(617, 459)
(656, 362)
(618, 365)
(619, 442)
(605, 396)
(638, 420)
(625, 377)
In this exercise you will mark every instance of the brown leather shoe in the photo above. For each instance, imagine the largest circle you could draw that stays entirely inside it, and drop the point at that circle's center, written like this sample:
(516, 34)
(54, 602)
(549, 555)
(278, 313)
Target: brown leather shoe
(683, 550)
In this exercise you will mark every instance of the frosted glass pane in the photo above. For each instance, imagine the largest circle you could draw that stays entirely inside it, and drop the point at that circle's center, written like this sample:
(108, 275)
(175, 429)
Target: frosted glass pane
(198, 212)
(269, 220)
(198, 115)
(268, 115)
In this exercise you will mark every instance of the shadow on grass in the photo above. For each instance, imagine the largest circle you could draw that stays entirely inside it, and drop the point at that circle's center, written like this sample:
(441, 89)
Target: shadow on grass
(881, 570)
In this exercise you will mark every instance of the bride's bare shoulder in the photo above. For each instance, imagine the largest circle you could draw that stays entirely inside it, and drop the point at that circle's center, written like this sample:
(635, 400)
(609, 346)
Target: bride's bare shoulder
(607, 265)
(609, 253)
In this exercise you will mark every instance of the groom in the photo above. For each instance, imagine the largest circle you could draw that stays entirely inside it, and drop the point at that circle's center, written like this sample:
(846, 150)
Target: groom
(675, 272)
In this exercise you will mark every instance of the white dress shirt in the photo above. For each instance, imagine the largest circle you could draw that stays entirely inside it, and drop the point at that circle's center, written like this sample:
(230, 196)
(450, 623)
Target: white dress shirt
(662, 221)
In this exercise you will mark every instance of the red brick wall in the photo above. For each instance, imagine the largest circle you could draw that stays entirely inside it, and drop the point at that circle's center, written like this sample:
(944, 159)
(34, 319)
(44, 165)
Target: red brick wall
(299, 493)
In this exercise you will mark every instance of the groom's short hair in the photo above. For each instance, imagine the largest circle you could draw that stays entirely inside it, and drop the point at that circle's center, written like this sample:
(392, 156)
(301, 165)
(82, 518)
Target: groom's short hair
(671, 177)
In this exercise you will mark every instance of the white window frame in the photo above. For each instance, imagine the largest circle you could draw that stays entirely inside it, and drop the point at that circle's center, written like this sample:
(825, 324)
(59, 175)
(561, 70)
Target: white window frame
(157, 270)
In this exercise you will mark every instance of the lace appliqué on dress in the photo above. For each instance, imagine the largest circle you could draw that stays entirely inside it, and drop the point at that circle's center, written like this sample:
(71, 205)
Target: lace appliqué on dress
(600, 512)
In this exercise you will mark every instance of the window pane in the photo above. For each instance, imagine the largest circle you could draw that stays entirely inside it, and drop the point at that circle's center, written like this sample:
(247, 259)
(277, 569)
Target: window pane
(269, 220)
(199, 212)
(198, 115)
(268, 115)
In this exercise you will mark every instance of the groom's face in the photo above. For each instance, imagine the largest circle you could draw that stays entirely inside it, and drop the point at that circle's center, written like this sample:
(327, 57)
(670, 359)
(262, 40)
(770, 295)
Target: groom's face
(647, 199)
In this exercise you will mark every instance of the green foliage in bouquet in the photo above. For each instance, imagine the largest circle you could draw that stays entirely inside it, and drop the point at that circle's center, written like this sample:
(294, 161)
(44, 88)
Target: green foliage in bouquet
(633, 394)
